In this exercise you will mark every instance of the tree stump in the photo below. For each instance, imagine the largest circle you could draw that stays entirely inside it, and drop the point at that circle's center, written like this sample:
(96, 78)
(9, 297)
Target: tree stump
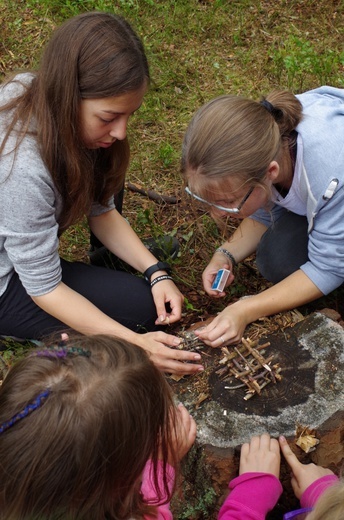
(310, 393)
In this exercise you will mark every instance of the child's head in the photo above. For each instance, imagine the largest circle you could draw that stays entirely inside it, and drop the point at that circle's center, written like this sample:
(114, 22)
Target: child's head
(231, 141)
(330, 505)
(101, 409)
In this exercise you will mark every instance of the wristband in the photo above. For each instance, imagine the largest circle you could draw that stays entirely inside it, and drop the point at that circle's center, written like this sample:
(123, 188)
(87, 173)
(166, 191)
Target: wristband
(227, 254)
(161, 278)
(160, 266)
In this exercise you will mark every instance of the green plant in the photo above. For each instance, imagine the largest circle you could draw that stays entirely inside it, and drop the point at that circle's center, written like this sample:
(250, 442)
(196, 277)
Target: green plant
(298, 58)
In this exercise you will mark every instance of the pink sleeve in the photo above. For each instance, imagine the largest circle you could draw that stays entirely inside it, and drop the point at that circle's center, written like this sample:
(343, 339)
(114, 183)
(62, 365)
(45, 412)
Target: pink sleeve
(252, 496)
(149, 492)
(317, 488)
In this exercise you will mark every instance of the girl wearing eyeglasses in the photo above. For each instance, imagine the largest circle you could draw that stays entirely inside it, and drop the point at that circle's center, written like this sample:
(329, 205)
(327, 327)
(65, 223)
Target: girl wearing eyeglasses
(278, 166)
(257, 488)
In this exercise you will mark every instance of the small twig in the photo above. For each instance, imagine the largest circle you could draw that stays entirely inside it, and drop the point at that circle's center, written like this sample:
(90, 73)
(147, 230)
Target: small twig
(153, 195)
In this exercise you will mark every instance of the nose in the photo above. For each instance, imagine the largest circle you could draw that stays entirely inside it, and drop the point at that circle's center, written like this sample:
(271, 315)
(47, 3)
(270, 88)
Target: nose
(119, 129)
(217, 213)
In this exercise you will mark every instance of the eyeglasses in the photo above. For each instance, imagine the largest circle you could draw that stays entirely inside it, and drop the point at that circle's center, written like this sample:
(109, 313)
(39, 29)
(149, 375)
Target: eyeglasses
(221, 208)
(298, 514)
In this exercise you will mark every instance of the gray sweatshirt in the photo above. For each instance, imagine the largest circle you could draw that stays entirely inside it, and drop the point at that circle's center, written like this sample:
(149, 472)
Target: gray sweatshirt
(30, 206)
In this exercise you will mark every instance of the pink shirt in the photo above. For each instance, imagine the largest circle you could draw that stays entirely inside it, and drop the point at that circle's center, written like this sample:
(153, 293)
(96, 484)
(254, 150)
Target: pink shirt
(253, 495)
(149, 493)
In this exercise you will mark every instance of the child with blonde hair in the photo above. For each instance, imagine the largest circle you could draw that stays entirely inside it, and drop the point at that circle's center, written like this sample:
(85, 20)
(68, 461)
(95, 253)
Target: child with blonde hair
(256, 490)
(89, 430)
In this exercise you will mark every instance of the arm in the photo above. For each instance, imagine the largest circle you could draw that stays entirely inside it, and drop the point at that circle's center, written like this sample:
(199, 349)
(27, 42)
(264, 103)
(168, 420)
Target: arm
(295, 290)
(80, 314)
(308, 480)
(118, 236)
(257, 489)
(242, 244)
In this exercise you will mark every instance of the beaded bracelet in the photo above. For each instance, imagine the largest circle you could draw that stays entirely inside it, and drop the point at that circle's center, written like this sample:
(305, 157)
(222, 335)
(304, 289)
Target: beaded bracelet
(160, 279)
(227, 254)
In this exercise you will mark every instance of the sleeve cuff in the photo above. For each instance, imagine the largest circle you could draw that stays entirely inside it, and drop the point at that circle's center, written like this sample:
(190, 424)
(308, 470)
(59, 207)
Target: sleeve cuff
(254, 486)
(311, 495)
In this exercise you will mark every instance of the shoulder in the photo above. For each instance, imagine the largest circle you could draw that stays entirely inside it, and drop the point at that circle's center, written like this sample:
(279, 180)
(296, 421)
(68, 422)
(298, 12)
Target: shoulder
(322, 96)
(322, 130)
(15, 86)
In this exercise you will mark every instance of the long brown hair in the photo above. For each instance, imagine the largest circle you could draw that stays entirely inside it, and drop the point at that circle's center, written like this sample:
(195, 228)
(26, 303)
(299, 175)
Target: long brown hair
(234, 138)
(80, 454)
(93, 55)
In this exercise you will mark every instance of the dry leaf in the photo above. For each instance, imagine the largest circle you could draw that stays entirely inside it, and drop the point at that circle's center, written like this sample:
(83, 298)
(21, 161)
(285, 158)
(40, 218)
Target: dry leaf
(306, 439)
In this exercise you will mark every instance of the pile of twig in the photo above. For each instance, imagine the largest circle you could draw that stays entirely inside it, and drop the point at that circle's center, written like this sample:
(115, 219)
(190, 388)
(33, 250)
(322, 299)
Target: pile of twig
(247, 364)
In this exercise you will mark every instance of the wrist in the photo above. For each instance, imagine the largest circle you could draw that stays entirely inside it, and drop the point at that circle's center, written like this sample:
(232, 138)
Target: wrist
(159, 268)
(229, 256)
(161, 278)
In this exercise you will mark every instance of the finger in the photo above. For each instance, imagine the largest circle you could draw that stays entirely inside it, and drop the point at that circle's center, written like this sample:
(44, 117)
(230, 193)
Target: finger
(245, 449)
(264, 441)
(274, 446)
(171, 366)
(162, 320)
(160, 308)
(289, 456)
(176, 309)
(183, 369)
(255, 443)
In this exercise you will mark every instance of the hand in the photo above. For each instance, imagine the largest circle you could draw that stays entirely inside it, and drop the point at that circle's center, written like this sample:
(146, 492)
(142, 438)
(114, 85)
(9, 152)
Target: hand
(303, 475)
(168, 359)
(227, 328)
(167, 292)
(261, 455)
(209, 273)
(184, 432)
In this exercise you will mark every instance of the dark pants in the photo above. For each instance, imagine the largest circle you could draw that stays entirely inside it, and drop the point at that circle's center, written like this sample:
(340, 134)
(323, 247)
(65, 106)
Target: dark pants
(122, 296)
(283, 248)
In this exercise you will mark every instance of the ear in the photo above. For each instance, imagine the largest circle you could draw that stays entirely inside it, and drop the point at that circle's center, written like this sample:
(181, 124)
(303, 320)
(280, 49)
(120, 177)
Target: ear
(273, 171)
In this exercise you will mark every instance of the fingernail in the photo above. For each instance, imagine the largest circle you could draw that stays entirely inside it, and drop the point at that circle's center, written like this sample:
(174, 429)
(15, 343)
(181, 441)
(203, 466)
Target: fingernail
(161, 318)
(200, 369)
(197, 356)
(176, 341)
(282, 438)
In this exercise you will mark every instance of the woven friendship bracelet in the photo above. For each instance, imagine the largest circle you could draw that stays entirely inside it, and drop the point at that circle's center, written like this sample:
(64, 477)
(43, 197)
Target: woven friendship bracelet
(227, 254)
(27, 410)
(161, 278)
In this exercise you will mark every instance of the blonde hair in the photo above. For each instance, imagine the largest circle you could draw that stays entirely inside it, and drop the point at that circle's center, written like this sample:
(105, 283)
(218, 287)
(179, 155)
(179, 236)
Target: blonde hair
(234, 138)
(330, 505)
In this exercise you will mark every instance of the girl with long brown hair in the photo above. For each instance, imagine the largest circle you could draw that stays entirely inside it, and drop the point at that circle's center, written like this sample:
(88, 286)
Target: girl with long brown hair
(89, 430)
(278, 166)
(63, 155)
